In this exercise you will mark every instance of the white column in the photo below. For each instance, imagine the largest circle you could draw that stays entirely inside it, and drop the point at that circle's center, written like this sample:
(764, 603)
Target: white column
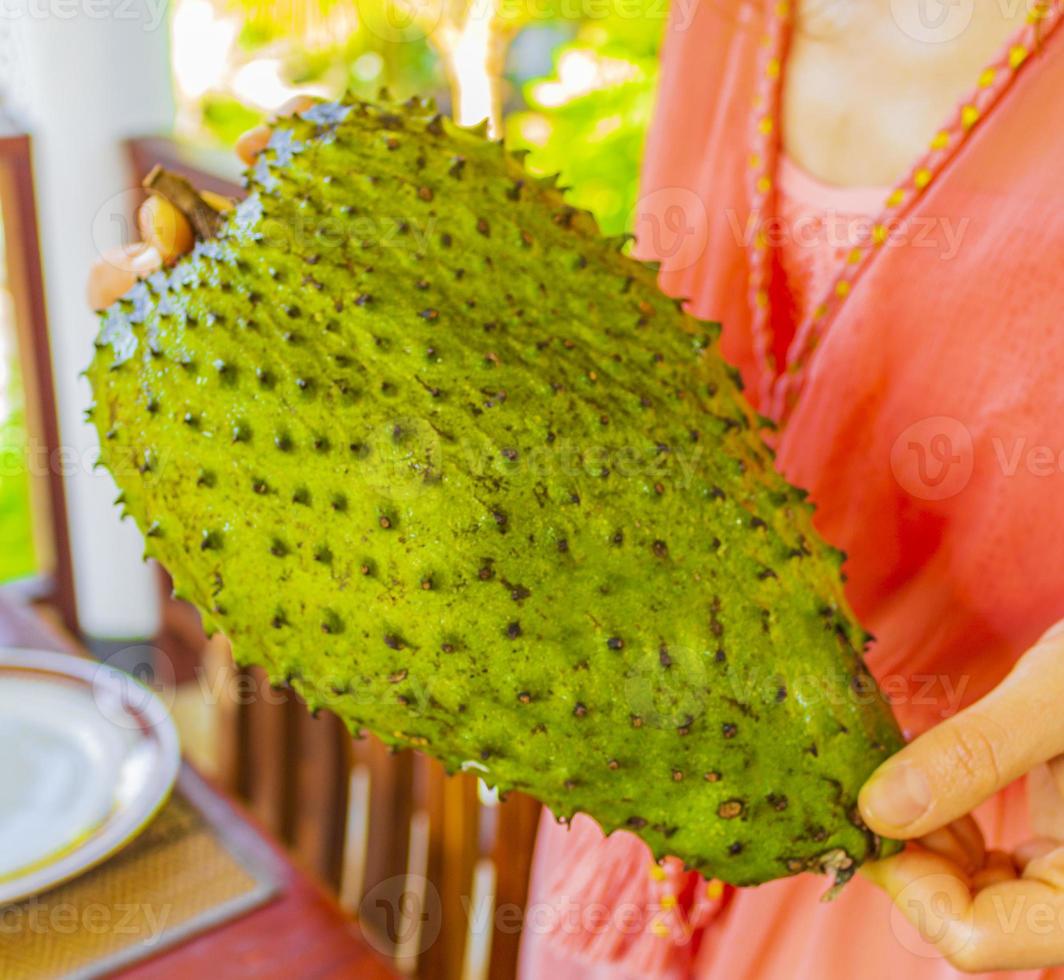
(91, 72)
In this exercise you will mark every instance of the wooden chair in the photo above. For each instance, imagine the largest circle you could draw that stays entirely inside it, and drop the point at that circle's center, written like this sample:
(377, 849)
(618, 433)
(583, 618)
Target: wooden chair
(435, 868)
(54, 581)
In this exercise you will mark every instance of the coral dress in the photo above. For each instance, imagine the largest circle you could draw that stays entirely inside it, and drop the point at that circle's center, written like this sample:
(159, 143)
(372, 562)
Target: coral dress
(914, 359)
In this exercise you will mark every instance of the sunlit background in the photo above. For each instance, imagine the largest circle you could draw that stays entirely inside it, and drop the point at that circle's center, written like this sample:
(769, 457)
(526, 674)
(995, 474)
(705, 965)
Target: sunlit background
(570, 80)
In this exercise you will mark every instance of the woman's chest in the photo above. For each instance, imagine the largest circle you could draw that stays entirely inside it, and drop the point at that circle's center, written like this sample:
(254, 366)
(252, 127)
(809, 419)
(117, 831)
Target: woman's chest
(867, 83)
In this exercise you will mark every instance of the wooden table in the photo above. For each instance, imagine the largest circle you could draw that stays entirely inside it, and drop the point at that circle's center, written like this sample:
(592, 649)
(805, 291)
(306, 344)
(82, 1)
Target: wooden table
(302, 933)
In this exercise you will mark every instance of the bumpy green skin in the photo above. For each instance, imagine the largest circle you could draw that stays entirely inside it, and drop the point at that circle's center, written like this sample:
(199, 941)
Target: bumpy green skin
(437, 455)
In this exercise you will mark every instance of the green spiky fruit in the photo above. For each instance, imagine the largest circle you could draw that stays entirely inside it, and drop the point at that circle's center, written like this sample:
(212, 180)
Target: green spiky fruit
(431, 450)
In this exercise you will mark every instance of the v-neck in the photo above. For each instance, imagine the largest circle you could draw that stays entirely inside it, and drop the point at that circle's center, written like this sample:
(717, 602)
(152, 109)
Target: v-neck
(780, 388)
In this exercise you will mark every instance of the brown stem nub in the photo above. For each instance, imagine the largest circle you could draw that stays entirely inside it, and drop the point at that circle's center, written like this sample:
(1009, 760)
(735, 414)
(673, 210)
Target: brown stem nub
(182, 195)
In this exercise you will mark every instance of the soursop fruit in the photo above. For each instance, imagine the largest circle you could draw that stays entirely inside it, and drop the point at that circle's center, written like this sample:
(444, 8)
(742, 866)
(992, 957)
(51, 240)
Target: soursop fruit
(435, 453)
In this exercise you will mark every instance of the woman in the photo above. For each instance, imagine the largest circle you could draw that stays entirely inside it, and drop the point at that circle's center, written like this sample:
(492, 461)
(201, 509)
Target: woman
(868, 200)
(867, 194)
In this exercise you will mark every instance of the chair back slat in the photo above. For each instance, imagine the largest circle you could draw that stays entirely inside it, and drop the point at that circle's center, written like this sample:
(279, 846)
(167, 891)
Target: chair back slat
(320, 798)
(268, 776)
(518, 820)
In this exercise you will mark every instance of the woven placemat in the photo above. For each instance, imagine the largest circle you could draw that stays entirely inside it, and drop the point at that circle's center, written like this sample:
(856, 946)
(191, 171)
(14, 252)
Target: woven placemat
(188, 871)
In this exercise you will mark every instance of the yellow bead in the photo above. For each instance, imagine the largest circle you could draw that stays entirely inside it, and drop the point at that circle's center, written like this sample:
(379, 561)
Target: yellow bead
(922, 177)
(764, 125)
(760, 241)
(755, 161)
(715, 890)
(764, 184)
(987, 78)
(820, 312)
(896, 197)
(1039, 11)
(668, 901)
(1017, 55)
(772, 69)
(969, 116)
(657, 872)
(761, 298)
(659, 929)
(855, 256)
(842, 288)
(783, 9)
(941, 140)
(879, 234)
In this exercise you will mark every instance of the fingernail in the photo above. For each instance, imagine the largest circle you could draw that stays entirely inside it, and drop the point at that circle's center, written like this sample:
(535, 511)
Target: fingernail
(896, 796)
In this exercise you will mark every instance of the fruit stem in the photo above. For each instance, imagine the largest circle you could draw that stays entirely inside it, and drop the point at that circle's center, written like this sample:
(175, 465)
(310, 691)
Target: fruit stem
(205, 220)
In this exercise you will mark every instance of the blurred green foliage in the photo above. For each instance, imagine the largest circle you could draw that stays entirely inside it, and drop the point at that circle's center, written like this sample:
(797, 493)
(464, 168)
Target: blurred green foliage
(585, 118)
(17, 558)
(595, 139)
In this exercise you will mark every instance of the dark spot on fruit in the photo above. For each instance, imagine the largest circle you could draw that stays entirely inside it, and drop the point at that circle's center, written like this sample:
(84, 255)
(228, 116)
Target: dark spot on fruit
(636, 823)
(513, 630)
(712, 776)
(615, 643)
(735, 849)
(729, 730)
(580, 710)
(730, 809)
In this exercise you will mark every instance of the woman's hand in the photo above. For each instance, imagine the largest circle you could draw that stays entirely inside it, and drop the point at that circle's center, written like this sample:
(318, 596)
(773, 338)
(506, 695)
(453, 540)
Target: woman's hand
(165, 232)
(983, 910)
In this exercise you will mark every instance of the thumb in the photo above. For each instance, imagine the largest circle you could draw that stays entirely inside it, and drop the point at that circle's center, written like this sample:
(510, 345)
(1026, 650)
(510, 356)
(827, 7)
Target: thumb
(951, 769)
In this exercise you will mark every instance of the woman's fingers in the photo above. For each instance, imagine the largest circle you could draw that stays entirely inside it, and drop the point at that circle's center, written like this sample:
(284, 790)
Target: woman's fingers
(1047, 868)
(951, 769)
(115, 272)
(991, 921)
(960, 842)
(165, 228)
(253, 142)
(932, 893)
(997, 867)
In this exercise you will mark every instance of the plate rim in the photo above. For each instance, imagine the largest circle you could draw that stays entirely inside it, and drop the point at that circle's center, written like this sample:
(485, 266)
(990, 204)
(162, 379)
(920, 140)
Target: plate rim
(113, 834)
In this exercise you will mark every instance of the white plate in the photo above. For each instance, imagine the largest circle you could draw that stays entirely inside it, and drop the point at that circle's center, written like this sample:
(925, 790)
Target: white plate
(87, 757)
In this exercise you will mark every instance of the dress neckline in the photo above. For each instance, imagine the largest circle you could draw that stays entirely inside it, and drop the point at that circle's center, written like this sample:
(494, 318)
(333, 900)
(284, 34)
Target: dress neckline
(781, 384)
(797, 183)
